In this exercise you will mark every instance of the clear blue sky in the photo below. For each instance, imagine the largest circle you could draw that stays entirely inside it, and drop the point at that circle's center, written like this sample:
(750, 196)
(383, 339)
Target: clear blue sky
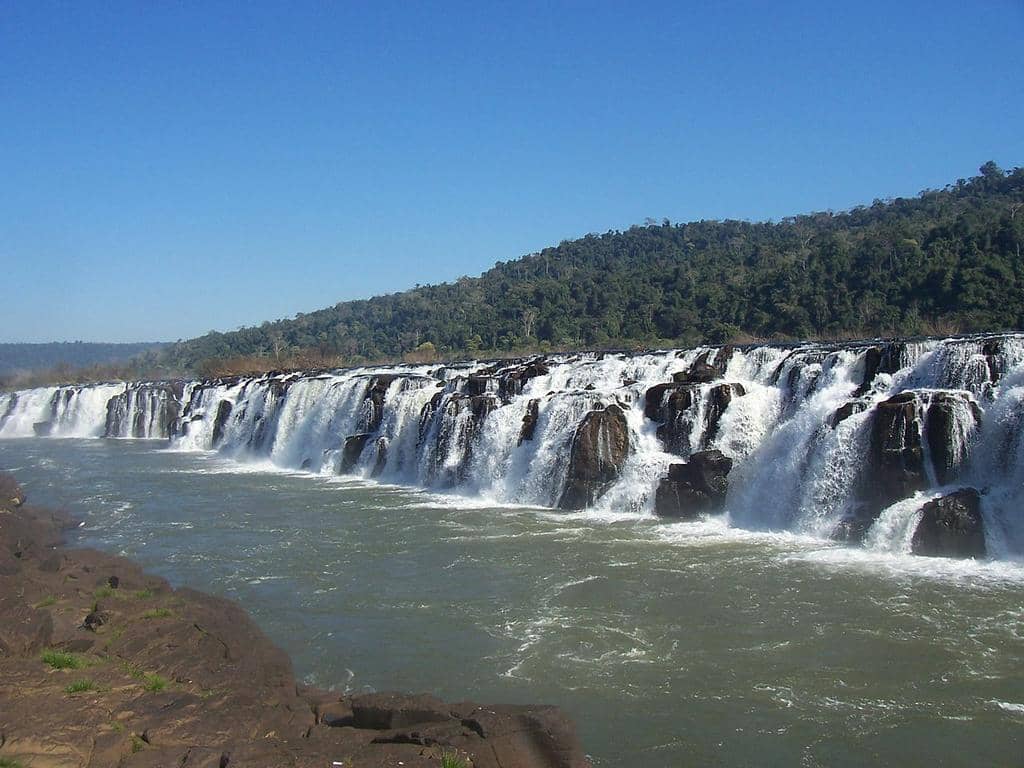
(174, 167)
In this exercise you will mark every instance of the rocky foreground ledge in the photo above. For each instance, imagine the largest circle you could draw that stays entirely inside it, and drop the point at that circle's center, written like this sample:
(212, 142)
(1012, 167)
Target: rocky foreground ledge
(104, 665)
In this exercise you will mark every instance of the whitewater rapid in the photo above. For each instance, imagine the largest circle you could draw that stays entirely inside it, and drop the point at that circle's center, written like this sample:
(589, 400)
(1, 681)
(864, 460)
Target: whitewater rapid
(800, 424)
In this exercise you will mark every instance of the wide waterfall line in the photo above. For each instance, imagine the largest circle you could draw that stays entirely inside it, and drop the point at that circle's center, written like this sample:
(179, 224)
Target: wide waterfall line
(913, 446)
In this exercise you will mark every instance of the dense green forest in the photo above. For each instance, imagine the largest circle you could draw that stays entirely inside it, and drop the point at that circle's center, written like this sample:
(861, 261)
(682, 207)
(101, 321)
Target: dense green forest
(945, 261)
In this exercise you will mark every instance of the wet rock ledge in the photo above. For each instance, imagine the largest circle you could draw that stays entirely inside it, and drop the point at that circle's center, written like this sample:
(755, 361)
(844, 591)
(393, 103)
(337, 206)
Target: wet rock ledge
(104, 665)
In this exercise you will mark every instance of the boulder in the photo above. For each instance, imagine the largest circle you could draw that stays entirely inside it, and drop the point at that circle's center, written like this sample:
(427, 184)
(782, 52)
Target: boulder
(895, 463)
(695, 487)
(854, 526)
(883, 359)
(951, 526)
(529, 421)
(428, 411)
(455, 434)
(704, 370)
(945, 430)
(511, 382)
(382, 457)
(896, 466)
(670, 404)
(220, 421)
(373, 401)
(599, 449)
(995, 359)
(718, 399)
(478, 385)
(845, 411)
(353, 449)
(95, 619)
(661, 400)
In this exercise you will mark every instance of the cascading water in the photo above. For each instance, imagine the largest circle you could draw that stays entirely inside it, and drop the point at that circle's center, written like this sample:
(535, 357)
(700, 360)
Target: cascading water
(843, 441)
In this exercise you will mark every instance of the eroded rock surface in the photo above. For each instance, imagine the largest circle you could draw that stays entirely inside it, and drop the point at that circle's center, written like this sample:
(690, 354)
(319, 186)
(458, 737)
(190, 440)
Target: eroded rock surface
(599, 449)
(695, 487)
(951, 526)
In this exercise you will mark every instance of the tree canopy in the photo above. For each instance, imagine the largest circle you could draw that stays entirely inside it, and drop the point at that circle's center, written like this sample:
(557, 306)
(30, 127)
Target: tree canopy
(945, 261)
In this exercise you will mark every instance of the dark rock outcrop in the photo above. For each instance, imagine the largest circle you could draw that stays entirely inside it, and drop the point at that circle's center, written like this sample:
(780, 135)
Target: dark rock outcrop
(354, 445)
(705, 370)
(512, 381)
(224, 408)
(382, 457)
(951, 526)
(529, 421)
(658, 400)
(883, 359)
(854, 526)
(264, 425)
(373, 401)
(695, 487)
(718, 399)
(895, 466)
(599, 449)
(669, 404)
(845, 411)
(145, 410)
(672, 405)
(456, 432)
(943, 413)
(479, 385)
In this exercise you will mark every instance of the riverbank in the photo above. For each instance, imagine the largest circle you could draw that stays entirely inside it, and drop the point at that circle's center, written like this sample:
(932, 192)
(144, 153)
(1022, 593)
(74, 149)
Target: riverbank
(105, 665)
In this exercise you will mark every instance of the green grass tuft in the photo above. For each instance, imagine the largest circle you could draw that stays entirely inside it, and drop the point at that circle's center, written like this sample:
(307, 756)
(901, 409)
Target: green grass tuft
(452, 760)
(154, 683)
(6, 762)
(144, 594)
(137, 744)
(46, 602)
(62, 660)
(80, 686)
(157, 613)
(103, 592)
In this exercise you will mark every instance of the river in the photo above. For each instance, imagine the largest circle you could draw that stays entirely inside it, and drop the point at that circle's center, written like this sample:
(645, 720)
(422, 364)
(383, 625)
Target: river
(689, 643)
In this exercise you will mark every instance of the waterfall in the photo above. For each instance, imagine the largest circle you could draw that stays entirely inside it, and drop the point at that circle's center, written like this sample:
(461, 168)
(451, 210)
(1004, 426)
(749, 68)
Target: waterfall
(72, 411)
(841, 441)
(144, 410)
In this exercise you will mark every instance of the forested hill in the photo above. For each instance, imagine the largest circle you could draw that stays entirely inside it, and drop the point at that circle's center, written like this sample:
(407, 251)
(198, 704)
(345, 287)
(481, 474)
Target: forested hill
(946, 261)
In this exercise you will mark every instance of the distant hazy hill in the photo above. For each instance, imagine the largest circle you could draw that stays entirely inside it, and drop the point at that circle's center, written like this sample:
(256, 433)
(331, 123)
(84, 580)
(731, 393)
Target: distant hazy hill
(24, 358)
(946, 260)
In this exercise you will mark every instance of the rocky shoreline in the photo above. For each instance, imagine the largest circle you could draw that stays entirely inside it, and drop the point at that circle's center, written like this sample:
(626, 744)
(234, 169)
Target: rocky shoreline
(105, 665)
